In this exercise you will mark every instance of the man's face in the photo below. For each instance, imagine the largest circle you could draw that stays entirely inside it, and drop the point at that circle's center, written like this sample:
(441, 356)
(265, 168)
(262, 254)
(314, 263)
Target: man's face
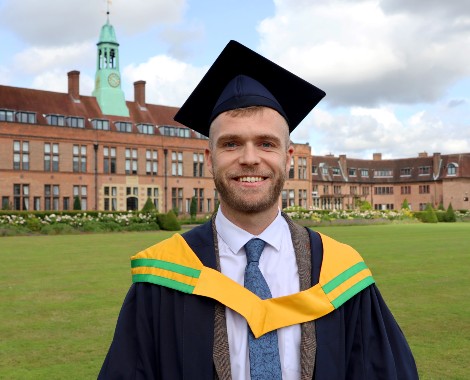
(249, 158)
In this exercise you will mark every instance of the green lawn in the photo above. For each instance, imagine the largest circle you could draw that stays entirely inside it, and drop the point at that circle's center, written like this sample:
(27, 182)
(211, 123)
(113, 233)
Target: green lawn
(60, 295)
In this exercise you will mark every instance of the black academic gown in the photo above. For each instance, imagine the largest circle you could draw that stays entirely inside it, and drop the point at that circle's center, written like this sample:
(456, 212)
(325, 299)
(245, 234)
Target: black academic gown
(166, 334)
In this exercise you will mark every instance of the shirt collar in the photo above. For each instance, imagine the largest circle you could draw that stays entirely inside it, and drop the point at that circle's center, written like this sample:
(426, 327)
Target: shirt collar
(236, 237)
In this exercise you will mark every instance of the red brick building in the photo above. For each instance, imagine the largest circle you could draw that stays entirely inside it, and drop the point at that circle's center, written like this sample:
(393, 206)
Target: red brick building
(114, 154)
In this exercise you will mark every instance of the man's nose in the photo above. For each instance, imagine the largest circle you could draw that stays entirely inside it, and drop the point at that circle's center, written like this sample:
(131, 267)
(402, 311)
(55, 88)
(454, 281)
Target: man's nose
(249, 155)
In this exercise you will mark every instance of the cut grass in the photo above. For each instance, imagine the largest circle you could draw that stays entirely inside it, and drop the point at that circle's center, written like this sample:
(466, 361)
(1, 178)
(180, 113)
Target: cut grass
(61, 295)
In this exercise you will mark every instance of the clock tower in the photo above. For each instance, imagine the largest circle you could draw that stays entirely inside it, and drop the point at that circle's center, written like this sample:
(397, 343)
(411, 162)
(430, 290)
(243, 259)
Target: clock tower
(108, 90)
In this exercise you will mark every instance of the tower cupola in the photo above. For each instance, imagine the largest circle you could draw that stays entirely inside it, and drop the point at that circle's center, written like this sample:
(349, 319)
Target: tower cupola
(108, 90)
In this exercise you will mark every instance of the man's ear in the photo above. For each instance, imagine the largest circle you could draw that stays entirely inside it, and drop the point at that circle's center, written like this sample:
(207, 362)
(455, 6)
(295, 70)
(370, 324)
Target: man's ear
(289, 154)
(208, 159)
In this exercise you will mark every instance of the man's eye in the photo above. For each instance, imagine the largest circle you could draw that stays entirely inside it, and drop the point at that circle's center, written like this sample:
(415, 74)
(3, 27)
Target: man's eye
(266, 144)
(230, 145)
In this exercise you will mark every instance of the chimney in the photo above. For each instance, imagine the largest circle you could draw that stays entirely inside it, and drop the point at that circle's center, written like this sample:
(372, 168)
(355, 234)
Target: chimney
(139, 92)
(423, 154)
(343, 163)
(74, 84)
(377, 156)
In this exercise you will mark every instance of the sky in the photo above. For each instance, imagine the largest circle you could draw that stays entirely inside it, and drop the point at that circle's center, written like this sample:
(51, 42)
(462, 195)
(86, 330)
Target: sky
(396, 72)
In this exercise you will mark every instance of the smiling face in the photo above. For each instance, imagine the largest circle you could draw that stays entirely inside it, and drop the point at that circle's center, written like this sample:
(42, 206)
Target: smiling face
(249, 158)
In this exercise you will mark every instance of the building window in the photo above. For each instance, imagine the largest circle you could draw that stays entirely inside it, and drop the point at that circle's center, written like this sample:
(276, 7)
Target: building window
(216, 198)
(451, 169)
(337, 190)
(122, 126)
(383, 190)
(51, 157)
(314, 169)
(37, 203)
(109, 160)
(66, 203)
(131, 161)
(365, 173)
(75, 122)
(82, 193)
(336, 171)
(284, 198)
(198, 164)
(383, 173)
(291, 169)
(424, 189)
(384, 206)
(154, 194)
(100, 124)
(424, 170)
(406, 189)
(79, 158)
(365, 191)
(51, 197)
(177, 163)
(20, 155)
(146, 129)
(291, 198)
(326, 189)
(177, 198)
(6, 203)
(167, 130)
(302, 198)
(199, 194)
(26, 117)
(352, 172)
(7, 115)
(21, 197)
(405, 172)
(110, 198)
(55, 120)
(353, 190)
(151, 162)
(302, 167)
(324, 170)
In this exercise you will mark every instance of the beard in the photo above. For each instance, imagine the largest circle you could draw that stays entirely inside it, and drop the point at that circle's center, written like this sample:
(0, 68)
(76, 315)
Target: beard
(241, 201)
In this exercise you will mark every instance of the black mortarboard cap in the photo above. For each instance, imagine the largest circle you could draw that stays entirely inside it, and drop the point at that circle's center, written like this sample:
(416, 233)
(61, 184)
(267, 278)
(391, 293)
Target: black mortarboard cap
(241, 78)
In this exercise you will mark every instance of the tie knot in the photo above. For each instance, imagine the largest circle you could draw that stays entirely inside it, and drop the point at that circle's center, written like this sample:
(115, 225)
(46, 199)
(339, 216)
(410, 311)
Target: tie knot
(253, 249)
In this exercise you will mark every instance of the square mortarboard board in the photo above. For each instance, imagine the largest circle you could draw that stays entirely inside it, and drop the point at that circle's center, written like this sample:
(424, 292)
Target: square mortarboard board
(271, 85)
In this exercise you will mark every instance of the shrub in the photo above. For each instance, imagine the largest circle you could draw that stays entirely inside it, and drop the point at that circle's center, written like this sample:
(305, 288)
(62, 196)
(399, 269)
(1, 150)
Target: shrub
(429, 214)
(193, 208)
(450, 214)
(76, 203)
(405, 205)
(57, 229)
(168, 221)
(148, 206)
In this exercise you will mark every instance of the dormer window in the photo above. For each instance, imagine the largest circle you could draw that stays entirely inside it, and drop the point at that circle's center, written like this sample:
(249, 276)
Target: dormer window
(55, 120)
(7, 115)
(168, 130)
(26, 117)
(123, 126)
(147, 129)
(100, 124)
(452, 168)
(75, 122)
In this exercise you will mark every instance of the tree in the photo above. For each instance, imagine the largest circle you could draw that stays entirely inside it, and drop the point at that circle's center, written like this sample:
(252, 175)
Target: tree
(148, 206)
(429, 214)
(77, 205)
(450, 214)
(193, 209)
(405, 205)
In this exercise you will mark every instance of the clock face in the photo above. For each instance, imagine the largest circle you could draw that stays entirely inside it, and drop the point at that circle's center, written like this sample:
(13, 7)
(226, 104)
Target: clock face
(114, 80)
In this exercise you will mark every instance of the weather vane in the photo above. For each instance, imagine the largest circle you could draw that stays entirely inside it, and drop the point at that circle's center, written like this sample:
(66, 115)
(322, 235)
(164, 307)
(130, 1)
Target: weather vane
(108, 3)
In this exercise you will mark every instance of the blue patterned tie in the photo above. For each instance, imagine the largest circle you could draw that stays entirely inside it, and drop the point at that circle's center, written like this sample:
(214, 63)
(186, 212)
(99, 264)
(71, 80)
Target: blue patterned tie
(264, 352)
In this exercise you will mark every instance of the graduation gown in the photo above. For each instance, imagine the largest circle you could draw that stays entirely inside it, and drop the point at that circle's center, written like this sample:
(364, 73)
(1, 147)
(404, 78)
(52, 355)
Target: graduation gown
(166, 334)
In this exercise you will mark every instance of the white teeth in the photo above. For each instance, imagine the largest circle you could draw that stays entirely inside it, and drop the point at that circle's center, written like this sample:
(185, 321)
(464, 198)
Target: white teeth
(250, 179)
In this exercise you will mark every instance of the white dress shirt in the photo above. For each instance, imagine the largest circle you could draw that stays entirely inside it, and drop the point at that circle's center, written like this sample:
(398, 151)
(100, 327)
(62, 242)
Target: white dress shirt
(279, 268)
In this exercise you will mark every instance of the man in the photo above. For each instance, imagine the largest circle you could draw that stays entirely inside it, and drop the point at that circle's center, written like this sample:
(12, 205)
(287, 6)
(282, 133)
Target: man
(250, 294)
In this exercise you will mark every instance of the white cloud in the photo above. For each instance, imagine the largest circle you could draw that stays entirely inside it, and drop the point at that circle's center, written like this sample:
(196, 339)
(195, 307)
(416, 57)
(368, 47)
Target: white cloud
(58, 22)
(361, 54)
(169, 81)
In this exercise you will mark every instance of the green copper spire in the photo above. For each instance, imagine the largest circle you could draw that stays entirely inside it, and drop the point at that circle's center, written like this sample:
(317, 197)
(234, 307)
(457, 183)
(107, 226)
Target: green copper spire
(107, 90)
